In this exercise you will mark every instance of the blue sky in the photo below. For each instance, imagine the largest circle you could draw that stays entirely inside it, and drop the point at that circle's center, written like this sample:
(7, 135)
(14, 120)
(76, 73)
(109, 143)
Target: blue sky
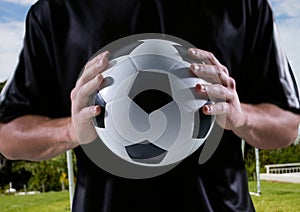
(12, 17)
(13, 12)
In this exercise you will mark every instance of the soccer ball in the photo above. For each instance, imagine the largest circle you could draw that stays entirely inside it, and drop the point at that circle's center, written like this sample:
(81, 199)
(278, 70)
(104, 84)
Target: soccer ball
(151, 114)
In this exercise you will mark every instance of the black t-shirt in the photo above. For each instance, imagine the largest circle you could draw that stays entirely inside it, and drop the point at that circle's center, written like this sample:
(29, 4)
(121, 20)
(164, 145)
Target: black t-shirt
(62, 35)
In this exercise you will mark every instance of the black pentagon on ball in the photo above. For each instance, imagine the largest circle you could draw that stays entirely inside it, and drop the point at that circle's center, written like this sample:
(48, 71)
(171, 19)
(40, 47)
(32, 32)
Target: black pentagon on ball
(151, 100)
(99, 120)
(151, 90)
(146, 152)
(203, 123)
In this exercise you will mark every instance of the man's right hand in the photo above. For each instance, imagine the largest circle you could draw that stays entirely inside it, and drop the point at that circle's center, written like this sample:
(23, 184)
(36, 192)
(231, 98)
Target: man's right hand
(88, 84)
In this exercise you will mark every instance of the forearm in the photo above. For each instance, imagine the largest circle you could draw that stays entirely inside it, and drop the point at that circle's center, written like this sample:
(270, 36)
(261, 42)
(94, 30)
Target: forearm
(36, 138)
(268, 126)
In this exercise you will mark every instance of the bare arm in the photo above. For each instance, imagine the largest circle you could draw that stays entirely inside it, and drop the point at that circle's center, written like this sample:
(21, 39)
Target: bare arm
(268, 126)
(264, 126)
(36, 138)
(33, 137)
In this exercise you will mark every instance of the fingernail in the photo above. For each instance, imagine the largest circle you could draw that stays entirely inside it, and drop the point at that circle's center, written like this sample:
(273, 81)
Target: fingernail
(208, 108)
(200, 87)
(100, 61)
(203, 88)
(105, 54)
(194, 52)
(93, 109)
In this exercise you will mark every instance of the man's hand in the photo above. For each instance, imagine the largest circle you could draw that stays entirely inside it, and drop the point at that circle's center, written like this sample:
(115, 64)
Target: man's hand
(33, 137)
(264, 126)
(222, 90)
(88, 84)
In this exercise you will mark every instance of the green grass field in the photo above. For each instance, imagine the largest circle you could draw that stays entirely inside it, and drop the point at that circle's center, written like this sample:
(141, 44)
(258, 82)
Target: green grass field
(44, 202)
(275, 197)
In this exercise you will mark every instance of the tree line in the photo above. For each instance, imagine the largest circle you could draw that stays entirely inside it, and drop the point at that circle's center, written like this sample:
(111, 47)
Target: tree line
(289, 154)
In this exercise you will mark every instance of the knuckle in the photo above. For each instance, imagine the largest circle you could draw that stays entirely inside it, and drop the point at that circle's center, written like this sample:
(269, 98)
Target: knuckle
(98, 78)
(195, 51)
(88, 64)
(195, 68)
(73, 94)
(221, 88)
(231, 83)
(225, 93)
(219, 72)
(223, 107)
(230, 96)
(226, 107)
(80, 92)
(221, 76)
(224, 69)
(211, 56)
(82, 78)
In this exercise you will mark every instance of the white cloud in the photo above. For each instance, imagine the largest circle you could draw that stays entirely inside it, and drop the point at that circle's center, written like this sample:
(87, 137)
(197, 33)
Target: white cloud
(11, 40)
(289, 8)
(22, 2)
(290, 41)
(287, 16)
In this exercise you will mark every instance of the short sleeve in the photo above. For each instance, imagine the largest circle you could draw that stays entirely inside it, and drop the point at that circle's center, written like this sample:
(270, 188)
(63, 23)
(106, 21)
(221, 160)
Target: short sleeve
(33, 88)
(266, 75)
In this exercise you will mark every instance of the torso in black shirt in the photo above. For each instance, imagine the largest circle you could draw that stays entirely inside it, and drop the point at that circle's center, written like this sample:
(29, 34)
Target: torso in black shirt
(62, 35)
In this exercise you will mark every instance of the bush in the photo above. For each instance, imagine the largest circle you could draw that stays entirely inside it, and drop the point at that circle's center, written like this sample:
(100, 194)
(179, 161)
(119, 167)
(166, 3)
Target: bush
(289, 154)
(45, 175)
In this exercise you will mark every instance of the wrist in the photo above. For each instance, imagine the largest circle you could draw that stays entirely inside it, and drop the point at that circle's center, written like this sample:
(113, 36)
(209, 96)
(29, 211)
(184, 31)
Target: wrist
(244, 126)
(70, 135)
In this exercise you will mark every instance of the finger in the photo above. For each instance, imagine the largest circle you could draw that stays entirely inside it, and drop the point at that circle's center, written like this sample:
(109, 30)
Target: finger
(213, 74)
(96, 66)
(215, 92)
(206, 72)
(84, 127)
(216, 109)
(89, 112)
(83, 94)
(205, 56)
(96, 59)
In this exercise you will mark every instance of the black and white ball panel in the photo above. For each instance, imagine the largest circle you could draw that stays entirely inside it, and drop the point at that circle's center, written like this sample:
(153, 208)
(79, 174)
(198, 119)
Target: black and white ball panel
(150, 111)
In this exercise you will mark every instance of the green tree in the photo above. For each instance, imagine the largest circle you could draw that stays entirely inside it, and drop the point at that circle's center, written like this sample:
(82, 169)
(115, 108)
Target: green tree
(289, 154)
(44, 175)
(2, 85)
